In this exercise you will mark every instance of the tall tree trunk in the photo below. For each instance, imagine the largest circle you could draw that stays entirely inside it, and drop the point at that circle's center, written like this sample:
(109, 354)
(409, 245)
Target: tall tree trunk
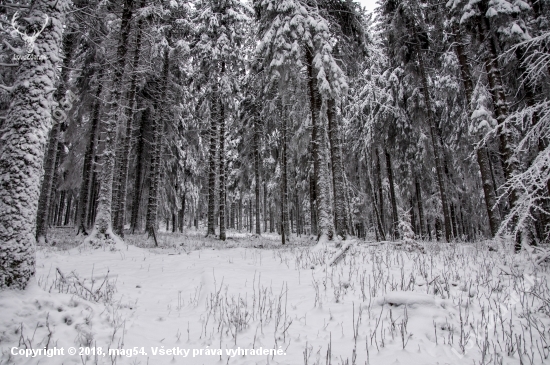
(212, 176)
(69, 209)
(92, 207)
(22, 143)
(122, 174)
(481, 153)
(257, 172)
(183, 206)
(435, 141)
(325, 224)
(284, 180)
(312, 203)
(420, 205)
(453, 220)
(222, 169)
(156, 168)
(54, 193)
(298, 213)
(338, 182)
(500, 105)
(103, 221)
(380, 192)
(377, 213)
(140, 148)
(250, 217)
(51, 158)
(59, 215)
(88, 168)
(413, 217)
(151, 218)
(271, 219)
(393, 200)
(265, 204)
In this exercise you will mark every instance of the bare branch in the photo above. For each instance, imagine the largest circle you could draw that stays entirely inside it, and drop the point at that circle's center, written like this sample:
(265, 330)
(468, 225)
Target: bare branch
(7, 88)
(15, 6)
(14, 50)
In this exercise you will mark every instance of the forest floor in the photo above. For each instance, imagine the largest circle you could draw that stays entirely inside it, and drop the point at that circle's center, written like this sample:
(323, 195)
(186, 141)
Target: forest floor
(476, 303)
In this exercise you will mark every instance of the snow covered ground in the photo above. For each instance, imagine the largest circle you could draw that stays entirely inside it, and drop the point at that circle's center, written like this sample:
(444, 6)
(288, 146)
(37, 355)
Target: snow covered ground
(379, 304)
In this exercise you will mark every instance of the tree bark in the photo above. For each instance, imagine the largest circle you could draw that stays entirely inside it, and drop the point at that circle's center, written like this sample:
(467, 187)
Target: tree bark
(312, 203)
(22, 143)
(103, 221)
(87, 168)
(435, 142)
(122, 174)
(222, 169)
(378, 215)
(481, 153)
(420, 205)
(284, 180)
(325, 225)
(413, 217)
(257, 172)
(156, 161)
(50, 159)
(500, 106)
(183, 206)
(380, 192)
(212, 176)
(69, 208)
(265, 205)
(92, 207)
(393, 200)
(338, 182)
(145, 119)
(60, 210)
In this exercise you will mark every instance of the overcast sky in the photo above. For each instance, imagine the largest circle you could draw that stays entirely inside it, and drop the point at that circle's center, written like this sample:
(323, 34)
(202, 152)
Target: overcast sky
(369, 4)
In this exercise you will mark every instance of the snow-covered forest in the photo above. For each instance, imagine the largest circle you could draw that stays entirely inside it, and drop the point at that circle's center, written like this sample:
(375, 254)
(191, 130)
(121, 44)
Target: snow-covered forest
(330, 184)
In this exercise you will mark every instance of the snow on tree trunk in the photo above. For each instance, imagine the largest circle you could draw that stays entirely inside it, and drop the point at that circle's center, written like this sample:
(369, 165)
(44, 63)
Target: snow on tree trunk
(221, 121)
(87, 168)
(418, 191)
(312, 200)
(156, 158)
(45, 199)
(265, 203)
(284, 179)
(338, 182)
(377, 214)
(103, 221)
(380, 191)
(494, 77)
(22, 143)
(435, 142)
(481, 153)
(393, 199)
(140, 149)
(127, 140)
(257, 172)
(51, 158)
(213, 134)
(323, 222)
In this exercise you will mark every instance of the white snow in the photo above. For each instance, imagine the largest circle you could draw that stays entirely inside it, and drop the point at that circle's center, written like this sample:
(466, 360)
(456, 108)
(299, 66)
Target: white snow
(378, 303)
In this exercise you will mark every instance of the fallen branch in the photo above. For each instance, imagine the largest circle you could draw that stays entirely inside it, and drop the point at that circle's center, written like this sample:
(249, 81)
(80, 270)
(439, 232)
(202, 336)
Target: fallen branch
(340, 254)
